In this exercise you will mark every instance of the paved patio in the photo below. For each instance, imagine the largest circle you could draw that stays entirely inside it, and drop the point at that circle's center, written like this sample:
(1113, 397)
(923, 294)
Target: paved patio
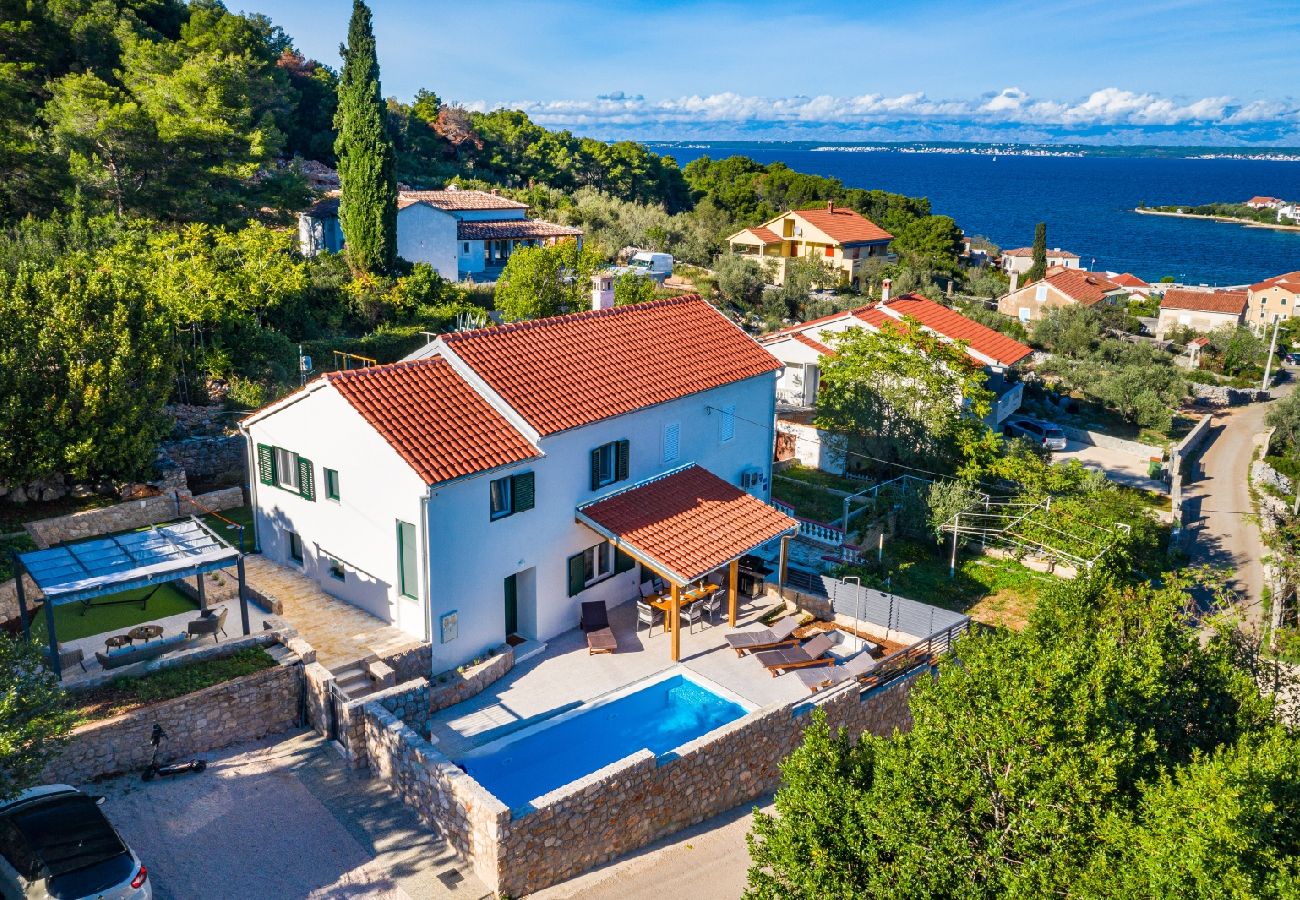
(564, 676)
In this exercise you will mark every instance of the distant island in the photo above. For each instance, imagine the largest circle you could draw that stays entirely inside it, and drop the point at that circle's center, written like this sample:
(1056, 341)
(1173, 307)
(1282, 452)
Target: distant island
(1257, 212)
(975, 148)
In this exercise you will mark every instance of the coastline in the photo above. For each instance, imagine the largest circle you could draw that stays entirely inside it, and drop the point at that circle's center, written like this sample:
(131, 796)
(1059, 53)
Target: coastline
(1226, 220)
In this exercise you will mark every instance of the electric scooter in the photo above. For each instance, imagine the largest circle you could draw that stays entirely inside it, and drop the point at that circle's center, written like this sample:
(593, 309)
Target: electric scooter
(179, 768)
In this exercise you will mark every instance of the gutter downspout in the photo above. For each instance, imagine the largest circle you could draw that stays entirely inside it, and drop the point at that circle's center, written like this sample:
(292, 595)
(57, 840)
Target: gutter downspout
(250, 456)
(424, 563)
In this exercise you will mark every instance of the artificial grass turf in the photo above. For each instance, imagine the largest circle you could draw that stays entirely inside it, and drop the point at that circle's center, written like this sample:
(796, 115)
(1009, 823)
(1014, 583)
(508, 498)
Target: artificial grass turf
(70, 623)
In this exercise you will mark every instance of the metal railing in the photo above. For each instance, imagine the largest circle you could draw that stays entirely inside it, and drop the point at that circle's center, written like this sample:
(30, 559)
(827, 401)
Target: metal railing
(923, 653)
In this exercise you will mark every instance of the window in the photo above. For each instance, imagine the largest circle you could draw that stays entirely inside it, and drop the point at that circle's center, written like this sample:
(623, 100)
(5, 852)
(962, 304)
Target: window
(672, 442)
(1024, 313)
(407, 580)
(295, 547)
(595, 564)
(332, 484)
(336, 569)
(1040, 293)
(465, 247)
(286, 469)
(609, 463)
(727, 424)
(510, 495)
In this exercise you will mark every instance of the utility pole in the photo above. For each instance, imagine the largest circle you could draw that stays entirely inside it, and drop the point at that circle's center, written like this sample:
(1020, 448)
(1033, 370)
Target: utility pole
(1272, 344)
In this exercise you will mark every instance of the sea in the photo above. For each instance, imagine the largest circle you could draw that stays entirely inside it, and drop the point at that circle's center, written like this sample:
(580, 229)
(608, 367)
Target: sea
(1087, 202)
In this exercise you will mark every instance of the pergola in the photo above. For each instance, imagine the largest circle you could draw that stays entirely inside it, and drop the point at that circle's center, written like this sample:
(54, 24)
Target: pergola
(97, 567)
(685, 524)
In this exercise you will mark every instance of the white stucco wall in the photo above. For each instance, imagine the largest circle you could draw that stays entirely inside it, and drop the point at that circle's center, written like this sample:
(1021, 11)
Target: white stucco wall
(376, 489)
(428, 235)
(489, 215)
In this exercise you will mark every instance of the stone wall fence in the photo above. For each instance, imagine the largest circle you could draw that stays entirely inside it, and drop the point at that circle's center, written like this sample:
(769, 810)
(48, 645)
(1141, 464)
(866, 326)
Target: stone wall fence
(129, 515)
(211, 456)
(1110, 442)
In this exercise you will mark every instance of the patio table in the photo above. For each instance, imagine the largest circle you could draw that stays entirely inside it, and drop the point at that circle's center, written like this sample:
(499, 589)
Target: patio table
(664, 602)
(145, 632)
(117, 640)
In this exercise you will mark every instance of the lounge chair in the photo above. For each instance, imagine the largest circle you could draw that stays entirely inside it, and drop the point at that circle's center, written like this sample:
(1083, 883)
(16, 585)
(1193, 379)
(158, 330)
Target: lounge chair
(816, 679)
(594, 616)
(209, 623)
(601, 640)
(814, 653)
(780, 634)
(68, 658)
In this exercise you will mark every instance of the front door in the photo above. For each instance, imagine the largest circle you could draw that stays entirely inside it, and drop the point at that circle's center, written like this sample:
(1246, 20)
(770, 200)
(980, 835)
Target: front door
(512, 605)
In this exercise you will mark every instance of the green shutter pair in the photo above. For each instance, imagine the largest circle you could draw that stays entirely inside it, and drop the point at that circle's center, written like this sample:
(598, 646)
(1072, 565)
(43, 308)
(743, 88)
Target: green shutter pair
(265, 464)
(621, 463)
(522, 491)
(622, 562)
(306, 480)
(577, 575)
(267, 474)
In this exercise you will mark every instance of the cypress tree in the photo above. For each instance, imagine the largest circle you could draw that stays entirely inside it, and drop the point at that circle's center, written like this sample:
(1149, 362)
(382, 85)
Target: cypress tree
(1039, 267)
(368, 206)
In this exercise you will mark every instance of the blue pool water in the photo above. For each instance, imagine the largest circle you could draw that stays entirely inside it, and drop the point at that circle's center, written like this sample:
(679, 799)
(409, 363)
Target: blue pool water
(659, 717)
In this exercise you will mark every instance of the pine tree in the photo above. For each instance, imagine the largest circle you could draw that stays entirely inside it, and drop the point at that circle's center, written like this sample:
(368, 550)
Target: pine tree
(1039, 267)
(368, 206)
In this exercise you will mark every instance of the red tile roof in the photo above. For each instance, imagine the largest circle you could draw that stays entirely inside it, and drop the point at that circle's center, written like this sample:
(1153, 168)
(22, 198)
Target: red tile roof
(1289, 281)
(432, 418)
(512, 228)
(690, 521)
(953, 325)
(567, 371)
(846, 226)
(1056, 252)
(1084, 287)
(1262, 200)
(1227, 302)
(1127, 279)
(457, 200)
(766, 235)
(815, 344)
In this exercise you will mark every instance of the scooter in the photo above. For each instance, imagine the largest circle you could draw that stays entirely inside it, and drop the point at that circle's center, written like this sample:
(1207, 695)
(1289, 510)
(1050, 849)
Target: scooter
(179, 768)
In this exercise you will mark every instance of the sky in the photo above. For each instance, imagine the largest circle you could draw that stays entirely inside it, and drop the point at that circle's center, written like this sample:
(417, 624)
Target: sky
(1220, 72)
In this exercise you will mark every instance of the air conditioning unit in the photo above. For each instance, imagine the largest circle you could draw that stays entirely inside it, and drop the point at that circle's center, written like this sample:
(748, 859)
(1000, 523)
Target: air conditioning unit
(752, 478)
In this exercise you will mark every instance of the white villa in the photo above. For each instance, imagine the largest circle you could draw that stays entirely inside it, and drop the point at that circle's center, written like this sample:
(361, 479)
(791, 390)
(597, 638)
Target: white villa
(1021, 260)
(488, 485)
(460, 233)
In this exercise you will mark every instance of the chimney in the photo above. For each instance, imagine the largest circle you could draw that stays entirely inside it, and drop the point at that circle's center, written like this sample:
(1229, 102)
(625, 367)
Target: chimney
(1015, 280)
(602, 290)
(885, 286)
(830, 206)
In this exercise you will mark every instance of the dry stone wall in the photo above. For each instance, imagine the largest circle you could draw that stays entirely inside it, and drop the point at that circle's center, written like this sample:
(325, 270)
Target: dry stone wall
(129, 515)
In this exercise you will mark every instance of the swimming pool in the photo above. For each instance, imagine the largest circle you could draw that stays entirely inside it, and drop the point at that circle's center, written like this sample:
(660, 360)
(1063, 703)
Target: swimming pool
(659, 716)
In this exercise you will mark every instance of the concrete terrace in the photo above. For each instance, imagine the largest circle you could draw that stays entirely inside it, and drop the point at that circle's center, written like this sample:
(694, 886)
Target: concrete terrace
(564, 676)
(340, 632)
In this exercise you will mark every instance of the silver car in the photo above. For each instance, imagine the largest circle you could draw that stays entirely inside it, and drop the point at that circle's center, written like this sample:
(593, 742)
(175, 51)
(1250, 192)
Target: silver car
(1041, 433)
(56, 843)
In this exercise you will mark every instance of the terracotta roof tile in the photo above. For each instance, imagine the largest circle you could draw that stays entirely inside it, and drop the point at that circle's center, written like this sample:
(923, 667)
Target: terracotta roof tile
(512, 228)
(457, 200)
(690, 521)
(567, 371)
(1228, 302)
(844, 225)
(432, 418)
(1128, 279)
(766, 235)
(953, 325)
(1056, 252)
(816, 345)
(1084, 287)
(1289, 281)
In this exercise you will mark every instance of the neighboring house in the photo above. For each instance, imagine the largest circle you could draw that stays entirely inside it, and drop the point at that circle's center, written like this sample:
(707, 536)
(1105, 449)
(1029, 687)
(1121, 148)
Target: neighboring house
(802, 349)
(442, 493)
(1021, 260)
(1202, 311)
(1289, 211)
(461, 233)
(1133, 286)
(1271, 299)
(1060, 287)
(842, 239)
(1264, 202)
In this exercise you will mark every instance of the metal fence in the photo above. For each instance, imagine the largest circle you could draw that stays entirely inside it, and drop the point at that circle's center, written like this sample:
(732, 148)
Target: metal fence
(887, 610)
(925, 652)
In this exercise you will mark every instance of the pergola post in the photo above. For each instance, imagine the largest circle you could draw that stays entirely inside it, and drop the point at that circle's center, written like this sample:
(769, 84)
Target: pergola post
(55, 662)
(733, 588)
(203, 594)
(783, 568)
(243, 596)
(675, 612)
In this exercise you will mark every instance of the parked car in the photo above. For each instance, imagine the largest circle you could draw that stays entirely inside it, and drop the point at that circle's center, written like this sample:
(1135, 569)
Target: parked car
(55, 842)
(1041, 433)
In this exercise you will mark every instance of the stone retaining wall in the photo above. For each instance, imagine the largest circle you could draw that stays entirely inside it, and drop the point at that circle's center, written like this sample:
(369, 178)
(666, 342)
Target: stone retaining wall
(1110, 442)
(1262, 473)
(207, 457)
(127, 516)
(243, 709)
(1222, 395)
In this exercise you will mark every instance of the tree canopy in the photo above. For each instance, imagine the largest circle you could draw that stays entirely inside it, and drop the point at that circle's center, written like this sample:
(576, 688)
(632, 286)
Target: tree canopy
(545, 281)
(34, 718)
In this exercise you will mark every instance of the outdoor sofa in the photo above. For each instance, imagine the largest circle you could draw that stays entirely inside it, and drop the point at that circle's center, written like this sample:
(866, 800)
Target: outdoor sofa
(134, 653)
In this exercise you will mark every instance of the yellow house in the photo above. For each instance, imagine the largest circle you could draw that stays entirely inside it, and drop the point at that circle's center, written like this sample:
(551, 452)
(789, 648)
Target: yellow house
(1273, 298)
(841, 239)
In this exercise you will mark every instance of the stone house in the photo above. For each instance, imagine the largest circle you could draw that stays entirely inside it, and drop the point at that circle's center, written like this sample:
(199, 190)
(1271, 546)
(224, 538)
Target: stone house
(1021, 260)
(1060, 287)
(1201, 311)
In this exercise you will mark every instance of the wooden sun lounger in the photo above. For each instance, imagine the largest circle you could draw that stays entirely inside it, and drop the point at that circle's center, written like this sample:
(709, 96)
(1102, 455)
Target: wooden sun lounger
(814, 653)
(601, 640)
(855, 668)
(780, 634)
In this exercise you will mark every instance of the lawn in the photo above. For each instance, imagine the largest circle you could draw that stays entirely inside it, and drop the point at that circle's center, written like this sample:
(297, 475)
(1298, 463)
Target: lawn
(124, 694)
(809, 501)
(70, 623)
(819, 478)
(240, 515)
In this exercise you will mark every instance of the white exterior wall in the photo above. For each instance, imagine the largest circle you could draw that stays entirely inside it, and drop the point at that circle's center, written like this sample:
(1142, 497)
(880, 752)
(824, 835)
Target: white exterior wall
(471, 556)
(469, 261)
(428, 235)
(489, 215)
(376, 489)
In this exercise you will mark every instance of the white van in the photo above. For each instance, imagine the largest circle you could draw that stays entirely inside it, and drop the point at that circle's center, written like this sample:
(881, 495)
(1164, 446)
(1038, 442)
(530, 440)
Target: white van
(657, 265)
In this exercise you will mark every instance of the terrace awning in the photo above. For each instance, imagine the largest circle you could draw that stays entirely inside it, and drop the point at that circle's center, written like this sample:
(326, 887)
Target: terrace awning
(685, 524)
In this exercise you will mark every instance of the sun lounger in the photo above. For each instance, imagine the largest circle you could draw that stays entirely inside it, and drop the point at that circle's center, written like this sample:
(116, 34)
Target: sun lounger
(594, 616)
(816, 679)
(601, 640)
(814, 653)
(780, 633)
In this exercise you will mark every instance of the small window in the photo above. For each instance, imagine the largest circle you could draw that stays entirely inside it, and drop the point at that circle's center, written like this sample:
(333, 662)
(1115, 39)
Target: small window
(596, 562)
(672, 442)
(609, 463)
(466, 248)
(286, 468)
(295, 547)
(1024, 313)
(510, 495)
(1040, 293)
(501, 498)
(332, 484)
(727, 424)
(407, 580)
(336, 569)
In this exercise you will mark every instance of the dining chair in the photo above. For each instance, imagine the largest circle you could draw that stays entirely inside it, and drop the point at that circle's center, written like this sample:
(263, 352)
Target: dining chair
(692, 614)
(715, 604)
(649, 616)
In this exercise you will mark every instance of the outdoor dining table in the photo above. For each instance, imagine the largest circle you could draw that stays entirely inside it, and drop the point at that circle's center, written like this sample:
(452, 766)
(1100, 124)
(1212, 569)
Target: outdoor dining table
(664, 602)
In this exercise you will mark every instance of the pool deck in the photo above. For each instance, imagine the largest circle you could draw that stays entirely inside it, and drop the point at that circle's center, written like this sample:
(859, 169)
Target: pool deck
(564, 676)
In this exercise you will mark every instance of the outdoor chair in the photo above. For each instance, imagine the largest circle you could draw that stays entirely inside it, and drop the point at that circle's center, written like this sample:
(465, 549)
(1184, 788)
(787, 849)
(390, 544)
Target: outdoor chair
(779, 634)
(858, 666)
(648, 616)
(692, 614)
(814, 653)
(210, 623)
(714, 604)
(68, 658)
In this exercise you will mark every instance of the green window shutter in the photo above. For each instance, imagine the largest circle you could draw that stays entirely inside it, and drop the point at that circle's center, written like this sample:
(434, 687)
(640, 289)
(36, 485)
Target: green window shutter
(577, 575)
(621, 448)
(265, 464)
(306, 480)
(622, 562)
(595, 470)
(521, 486)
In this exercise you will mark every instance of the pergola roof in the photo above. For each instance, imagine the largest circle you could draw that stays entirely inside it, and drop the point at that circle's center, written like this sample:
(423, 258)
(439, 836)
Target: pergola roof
(686, 523)
(108, 565)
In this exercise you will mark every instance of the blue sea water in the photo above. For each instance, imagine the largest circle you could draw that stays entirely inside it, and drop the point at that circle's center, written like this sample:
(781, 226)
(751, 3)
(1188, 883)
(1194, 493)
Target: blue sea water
(659, 717)
(1087, 203)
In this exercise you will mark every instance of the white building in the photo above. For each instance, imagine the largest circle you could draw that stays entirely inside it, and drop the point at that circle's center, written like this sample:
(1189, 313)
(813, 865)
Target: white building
(450, 494)
(1021, 260)
(460, 233)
